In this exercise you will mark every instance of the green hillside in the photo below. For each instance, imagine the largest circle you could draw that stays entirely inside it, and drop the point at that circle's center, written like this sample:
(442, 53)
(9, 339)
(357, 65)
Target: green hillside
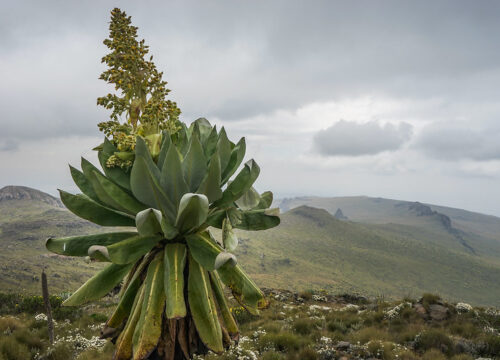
(26, 221)
(312, 249)
(396, 252)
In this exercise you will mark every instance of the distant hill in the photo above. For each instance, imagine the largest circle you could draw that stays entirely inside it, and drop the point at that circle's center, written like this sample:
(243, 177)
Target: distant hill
(380, 247)
(312, 249)
(12, 192)
(27, 218)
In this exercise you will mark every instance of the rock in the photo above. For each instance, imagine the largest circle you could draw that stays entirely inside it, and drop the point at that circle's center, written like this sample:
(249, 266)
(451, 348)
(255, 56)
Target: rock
(343, 345)
(420, 310)
(438, 312)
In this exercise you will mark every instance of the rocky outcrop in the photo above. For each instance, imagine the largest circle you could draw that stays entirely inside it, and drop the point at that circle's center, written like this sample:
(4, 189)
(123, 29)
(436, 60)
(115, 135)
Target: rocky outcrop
(10, 193)
(420, 209)
(339, 215)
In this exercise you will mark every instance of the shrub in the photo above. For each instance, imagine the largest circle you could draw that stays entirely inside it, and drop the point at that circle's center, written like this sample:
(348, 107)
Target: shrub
(303, 326)
(241, 315)
(306, 295)
(464, 329)
(308, 354)
(12, 350)
(60, 351)
(369, 334)
(433, 354)
(434, 339)
(429, 299)
(10, 323)
(337, 326)
(462, 357)
(493, 344)
(284, 342)
(28, 338)
(271, 355)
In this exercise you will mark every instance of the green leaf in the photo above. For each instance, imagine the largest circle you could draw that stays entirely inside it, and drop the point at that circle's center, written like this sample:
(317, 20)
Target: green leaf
(243, 181)
(206, 251)
(83, 184)
(119, 196)
(225, 258)
(79, 245)
(164, 148)
(266, 200)
(145, 182)
(125, 305)
(175, 262)
(131, 249)
(204, 128)
(202, 306)
(210, 186)
(99, 253)
(225, 311)
(193, 211)
(183, 136)
(259, 219)
(243, 288)
(224, 149)
(148, 222)
(88, 209)
(210, 144)
(249, 199)
(215, 218)
(169, 230)
(99, 285)
(172, 179)
(148, 329)
(124, 343)
(194, 165)
(229, 239)
(237, 155)
(90, 172)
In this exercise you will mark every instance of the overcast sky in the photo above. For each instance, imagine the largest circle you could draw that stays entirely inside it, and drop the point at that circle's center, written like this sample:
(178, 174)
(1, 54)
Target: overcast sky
(397, 99)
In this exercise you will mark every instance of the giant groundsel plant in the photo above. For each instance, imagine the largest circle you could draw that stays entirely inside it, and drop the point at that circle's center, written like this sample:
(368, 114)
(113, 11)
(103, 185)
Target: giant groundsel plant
(172, 298)
(163, 187)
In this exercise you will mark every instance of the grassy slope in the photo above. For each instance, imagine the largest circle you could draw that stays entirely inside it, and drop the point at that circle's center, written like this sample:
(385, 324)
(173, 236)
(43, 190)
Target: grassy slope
(311, 249)
(24, 227)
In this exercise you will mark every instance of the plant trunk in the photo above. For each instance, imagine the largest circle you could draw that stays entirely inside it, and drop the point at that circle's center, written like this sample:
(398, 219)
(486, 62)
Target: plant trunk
(48, 310)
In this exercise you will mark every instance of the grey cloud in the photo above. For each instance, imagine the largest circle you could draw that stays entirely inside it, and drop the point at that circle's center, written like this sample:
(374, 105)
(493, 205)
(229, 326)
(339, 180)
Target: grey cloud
(235, 60)
(455, 141)
(353, 139)
(9, 145)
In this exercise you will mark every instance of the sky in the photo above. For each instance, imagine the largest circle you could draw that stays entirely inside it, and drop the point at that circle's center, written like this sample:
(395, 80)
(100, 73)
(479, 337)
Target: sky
(395, 99)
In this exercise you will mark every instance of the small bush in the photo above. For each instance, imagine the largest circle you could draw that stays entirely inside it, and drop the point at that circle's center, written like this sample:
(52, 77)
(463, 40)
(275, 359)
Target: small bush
(284, 342)
(241, 315)
(12, 350)
(308, 354)
(429, 299)
(337, 326)
(60, 351)
(370, 334)
(493, 344)
(462, 357)
(433, 354)
(270, 355)
(303, 326)
(306, 295)
(464, 329)
(10, 323)
(434, 339)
